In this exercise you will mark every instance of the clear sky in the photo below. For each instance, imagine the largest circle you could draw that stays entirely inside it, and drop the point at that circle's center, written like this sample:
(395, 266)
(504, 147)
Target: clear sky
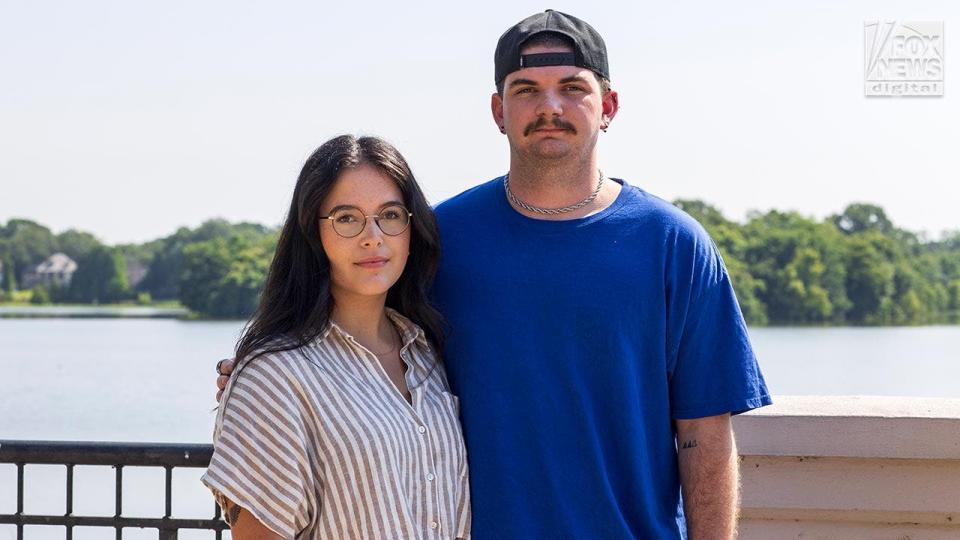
(130, 119)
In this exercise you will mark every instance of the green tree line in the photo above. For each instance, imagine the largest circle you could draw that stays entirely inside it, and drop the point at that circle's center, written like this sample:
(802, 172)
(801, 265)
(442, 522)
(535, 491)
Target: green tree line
(855, 267)
(216, 269)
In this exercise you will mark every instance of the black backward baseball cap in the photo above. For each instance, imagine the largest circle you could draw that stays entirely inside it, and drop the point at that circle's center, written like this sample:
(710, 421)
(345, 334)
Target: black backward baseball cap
(589, 50)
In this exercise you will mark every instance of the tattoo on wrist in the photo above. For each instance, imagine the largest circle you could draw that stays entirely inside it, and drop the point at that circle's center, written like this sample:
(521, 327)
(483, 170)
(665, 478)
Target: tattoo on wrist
(232, 514)
(692, 443)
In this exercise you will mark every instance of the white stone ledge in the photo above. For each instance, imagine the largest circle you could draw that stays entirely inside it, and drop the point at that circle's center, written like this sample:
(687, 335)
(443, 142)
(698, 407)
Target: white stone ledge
(831, 530)
(852, 426)
(864, 489)
(926, 519)
(857, 467)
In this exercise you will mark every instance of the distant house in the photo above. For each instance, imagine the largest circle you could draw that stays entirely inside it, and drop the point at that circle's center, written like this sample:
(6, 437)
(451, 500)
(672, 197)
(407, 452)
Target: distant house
(136, 271)
(57, 270)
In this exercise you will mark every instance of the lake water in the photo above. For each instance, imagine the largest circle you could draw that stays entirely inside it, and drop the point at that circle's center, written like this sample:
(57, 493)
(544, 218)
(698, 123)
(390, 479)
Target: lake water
(152, 380)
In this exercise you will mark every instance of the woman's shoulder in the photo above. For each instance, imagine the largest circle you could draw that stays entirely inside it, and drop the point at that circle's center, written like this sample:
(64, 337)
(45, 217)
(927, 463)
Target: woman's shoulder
(280, 359)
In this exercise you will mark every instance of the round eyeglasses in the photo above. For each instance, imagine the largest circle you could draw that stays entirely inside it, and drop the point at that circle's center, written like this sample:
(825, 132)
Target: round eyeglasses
(349, 221)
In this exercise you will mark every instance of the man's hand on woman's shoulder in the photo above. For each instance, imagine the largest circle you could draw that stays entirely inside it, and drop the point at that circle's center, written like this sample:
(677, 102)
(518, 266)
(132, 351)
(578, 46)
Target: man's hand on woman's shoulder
(224, 369)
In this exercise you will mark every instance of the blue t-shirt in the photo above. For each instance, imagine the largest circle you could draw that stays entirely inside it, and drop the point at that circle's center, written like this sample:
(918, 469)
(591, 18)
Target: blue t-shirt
(573, 345)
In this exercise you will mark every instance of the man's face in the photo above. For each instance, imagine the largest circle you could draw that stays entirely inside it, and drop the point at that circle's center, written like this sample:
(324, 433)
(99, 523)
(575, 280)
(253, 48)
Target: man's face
(552, 112)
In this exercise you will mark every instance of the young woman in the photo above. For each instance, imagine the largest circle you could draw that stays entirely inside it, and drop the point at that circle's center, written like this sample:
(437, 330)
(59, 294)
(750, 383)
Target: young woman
(337, 421)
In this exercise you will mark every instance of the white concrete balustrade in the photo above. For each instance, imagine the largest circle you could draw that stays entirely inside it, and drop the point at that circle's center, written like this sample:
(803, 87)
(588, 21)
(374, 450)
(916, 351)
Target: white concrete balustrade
(858, 468)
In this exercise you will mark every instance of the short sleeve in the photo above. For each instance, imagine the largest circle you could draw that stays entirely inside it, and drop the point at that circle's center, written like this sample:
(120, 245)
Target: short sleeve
(261, 459)
(713, 368)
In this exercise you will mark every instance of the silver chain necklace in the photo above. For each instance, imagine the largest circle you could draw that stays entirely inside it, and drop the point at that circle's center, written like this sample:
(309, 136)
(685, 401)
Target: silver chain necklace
(550, 211)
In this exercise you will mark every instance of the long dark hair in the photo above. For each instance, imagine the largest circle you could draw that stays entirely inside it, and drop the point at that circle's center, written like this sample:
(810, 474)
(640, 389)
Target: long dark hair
(296, 303)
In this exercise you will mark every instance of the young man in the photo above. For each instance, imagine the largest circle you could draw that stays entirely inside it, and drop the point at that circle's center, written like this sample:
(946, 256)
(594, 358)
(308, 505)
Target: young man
(595, 340)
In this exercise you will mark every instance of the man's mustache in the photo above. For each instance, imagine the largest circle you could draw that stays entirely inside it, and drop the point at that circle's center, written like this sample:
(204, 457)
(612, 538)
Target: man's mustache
(541, 122)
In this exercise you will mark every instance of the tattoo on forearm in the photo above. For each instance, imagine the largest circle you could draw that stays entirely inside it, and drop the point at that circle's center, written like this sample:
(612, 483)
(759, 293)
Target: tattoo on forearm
(232, 514)
(692, 443)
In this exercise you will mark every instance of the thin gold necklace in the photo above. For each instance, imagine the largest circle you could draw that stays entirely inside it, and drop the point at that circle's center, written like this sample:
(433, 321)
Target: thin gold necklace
(396, 344)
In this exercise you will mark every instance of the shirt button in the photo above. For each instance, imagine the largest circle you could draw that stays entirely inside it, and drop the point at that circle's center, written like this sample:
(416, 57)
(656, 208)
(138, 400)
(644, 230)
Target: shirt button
(421, 429)
(434, 525)
(430, 477)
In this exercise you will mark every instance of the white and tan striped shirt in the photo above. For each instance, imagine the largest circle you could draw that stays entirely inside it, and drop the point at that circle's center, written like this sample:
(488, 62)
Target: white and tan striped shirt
(317, 442)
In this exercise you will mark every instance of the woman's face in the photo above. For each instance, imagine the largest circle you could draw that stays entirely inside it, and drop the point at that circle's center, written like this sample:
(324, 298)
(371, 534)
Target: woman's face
(369, 263)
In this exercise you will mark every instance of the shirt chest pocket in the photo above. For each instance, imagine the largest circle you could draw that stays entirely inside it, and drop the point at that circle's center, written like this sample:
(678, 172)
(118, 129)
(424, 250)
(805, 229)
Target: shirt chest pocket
(446, 417)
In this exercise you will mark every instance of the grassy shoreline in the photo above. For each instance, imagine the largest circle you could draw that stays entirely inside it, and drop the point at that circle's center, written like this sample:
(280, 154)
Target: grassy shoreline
(19, 310)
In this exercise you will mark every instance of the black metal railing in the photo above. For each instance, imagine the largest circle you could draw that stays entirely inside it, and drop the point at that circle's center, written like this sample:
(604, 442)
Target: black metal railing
(116, 455)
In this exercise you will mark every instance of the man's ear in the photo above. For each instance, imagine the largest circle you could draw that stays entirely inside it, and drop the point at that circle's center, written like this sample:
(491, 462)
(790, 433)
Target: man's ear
(610, 106)
(496, 108)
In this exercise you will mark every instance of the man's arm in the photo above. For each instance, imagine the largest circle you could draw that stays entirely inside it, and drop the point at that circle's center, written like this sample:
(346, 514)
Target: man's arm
(709, 477)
